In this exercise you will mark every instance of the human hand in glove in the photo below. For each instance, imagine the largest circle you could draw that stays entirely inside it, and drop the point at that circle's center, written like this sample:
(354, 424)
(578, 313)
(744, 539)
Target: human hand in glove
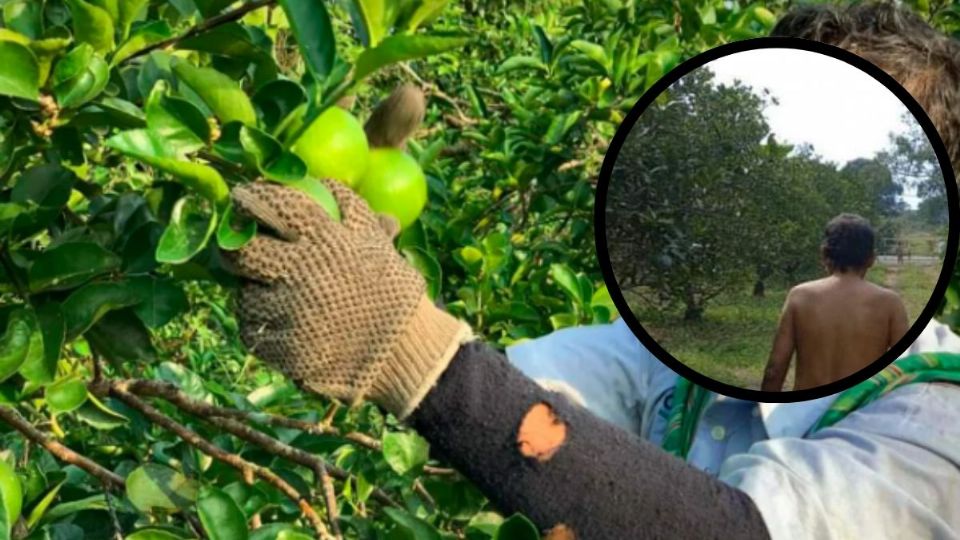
(333, 304)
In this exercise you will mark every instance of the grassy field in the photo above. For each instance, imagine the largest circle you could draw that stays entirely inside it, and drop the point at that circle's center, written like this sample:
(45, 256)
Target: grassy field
(732, 342)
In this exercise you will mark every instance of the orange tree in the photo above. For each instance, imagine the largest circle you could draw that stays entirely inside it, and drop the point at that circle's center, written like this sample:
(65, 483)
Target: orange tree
(129, 407)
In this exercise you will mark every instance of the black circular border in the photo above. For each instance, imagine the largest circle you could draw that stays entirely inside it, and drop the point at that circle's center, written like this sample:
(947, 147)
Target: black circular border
(658, 88)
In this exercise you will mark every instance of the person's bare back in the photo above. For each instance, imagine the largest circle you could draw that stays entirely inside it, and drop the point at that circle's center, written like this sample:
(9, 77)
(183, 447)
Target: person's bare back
(841, 324)
(837, 325)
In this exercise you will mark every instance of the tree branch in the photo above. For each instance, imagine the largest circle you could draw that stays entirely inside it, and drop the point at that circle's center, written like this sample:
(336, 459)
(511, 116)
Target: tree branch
(170, 392)
(13, 418)
(204, 26)
(118, 390)
(226, 419)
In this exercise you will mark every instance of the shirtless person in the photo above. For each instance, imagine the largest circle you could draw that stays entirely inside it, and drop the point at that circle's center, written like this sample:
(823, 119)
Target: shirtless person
(841, 323)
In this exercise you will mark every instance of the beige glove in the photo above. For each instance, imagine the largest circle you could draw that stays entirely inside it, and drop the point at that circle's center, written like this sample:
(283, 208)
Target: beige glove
(334, 305)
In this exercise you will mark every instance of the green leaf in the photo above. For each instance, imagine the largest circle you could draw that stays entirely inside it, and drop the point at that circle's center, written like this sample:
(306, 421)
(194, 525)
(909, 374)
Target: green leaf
(485, 523)
(68, 265)
(601, 298)
(127, 11)
(88, 304)
(593, 52)
(62, 510)
(79, 76)
(233, 233)
(408, 527)
(424, 12)
(401, 48)
(120, 336)
(314, 32)
(232, 39)
(15, 342)
(152, 486)
(187, 233)
(92, 25)
(46, 50)
(110, 6)
(25, 17)
(567, 280)
(546, 48)
(517, 527)
(428, 267)
(276, 100)
(98, 415)
(521, 62)
(66, 394)
(178, 123)
(41, 507)
(405, 452)
(188, 381)
(160, 300)
(271, 394)
(270, 157)
(47, 186)
(368, 20)
(20, 76)
(222, 519)
(563, 320)
(42, 369)
(157, 533)
(146, 35)
(212, 7)
(148, 147)
(221, 93)
(560, 126)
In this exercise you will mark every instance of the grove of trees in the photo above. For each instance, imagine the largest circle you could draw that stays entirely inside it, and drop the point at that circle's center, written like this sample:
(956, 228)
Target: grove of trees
(128, 406)
(703, 198)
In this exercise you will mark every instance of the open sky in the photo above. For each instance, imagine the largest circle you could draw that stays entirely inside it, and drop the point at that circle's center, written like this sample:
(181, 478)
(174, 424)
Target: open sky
(836, 108)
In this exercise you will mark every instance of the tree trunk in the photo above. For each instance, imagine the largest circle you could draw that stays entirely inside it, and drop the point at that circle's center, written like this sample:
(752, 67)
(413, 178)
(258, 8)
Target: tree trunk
(759, 289)
(693, 313)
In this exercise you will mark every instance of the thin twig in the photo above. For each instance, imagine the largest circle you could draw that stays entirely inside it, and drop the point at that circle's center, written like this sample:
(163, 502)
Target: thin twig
(192, 438)
(227, 419)
(206, 25)
(170, 392)
(13, 418)
(108, 495)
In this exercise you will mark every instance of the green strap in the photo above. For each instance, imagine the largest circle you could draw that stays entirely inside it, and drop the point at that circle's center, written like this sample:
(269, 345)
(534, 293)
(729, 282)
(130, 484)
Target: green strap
(928, 367)
(689, 400)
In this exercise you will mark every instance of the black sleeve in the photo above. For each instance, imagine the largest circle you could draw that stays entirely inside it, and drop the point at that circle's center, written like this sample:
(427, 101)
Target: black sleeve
(532, 451)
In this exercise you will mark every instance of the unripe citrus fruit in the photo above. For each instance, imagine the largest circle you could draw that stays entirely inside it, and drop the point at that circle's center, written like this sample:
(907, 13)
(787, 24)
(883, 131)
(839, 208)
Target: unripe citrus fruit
(334, 146)
(394, 184)
(11, 491)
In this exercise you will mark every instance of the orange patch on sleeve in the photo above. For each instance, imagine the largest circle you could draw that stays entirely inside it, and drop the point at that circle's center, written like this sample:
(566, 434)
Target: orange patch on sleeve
(560, 532)
(541, 433)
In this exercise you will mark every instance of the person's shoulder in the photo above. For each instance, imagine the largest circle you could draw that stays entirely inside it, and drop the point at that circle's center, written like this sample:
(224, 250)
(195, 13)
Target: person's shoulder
(804, 290)
(888, 297)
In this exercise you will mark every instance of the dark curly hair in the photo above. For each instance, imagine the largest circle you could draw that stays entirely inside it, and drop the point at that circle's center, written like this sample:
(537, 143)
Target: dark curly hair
(923, 60)
(848, 243)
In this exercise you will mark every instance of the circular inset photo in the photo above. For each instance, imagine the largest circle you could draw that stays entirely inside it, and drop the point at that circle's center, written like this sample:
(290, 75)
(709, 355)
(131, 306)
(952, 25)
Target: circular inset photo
(774, 220)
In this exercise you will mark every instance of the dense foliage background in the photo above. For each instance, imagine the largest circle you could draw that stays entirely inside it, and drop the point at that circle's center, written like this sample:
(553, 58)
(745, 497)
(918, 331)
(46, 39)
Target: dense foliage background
(116, 153)
(704, 200)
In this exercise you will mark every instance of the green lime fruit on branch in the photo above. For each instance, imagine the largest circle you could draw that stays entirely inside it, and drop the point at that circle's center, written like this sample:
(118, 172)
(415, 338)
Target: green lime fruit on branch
(11, 492)
(394, 184)
(334, 146)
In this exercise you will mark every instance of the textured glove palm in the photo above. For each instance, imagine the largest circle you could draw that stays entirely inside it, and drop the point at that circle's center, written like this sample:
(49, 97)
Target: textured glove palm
(334, 306)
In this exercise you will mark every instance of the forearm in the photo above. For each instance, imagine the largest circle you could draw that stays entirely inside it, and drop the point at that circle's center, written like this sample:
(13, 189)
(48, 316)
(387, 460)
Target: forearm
(774, 375)
(531, 451)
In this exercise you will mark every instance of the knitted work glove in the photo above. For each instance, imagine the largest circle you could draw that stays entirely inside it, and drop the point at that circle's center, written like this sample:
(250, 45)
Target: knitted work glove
(334, 305)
